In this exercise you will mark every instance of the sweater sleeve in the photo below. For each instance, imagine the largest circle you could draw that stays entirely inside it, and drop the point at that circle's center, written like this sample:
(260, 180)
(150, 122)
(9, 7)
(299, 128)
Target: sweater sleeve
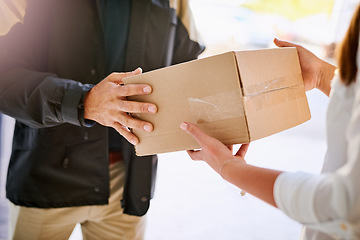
(41, 99)
(28, 92)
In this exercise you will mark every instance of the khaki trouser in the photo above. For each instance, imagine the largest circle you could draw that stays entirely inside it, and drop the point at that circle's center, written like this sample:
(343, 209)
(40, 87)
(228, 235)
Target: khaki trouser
(97, 222)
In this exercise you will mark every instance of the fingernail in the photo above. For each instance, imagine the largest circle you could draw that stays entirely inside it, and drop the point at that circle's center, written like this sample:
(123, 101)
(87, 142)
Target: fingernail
(133, 142)
(147, 89)
(138, 69)
(147, 128)
(184, 126)
(152, 109)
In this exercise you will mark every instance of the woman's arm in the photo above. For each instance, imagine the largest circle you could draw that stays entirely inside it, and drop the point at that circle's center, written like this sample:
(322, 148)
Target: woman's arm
(257, 181)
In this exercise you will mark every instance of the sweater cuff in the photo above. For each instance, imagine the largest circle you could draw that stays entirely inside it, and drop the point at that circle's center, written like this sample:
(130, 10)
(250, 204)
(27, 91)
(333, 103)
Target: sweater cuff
(72, 107)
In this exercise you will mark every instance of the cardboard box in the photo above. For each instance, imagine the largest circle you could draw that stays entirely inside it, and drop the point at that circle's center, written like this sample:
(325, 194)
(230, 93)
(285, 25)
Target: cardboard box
(236, 97)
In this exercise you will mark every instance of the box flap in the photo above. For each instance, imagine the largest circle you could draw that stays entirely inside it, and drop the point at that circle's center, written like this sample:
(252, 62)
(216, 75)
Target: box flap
(268, 69)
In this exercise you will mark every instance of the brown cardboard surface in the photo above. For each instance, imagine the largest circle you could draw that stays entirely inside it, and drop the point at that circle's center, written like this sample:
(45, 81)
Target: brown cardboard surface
(235, 97)
(275, 111)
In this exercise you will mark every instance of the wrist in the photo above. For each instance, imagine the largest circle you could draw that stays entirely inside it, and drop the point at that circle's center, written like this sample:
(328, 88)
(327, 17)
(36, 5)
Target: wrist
(227, 163)
(84, 121)
(87, 105)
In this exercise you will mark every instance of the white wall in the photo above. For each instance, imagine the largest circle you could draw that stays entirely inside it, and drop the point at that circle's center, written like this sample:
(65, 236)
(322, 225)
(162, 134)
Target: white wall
(6, 134)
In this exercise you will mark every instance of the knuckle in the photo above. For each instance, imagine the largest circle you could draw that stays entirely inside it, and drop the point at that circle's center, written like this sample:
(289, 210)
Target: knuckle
(144, 108)
(112, 75)
(125, 122)
(125, 90)
(119, 129)
(138, 124)
(126, 106)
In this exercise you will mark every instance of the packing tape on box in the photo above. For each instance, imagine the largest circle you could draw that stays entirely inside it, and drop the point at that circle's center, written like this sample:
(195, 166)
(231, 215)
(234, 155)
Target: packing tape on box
(270, 85)
(267, 99)
(216, 107)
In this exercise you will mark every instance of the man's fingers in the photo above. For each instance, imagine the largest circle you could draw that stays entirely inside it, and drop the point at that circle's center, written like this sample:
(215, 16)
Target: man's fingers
(122, 130)
(133, 89)
(136, 71)
(136, 107)
(130, 122)
(242, 150)
(117, 77)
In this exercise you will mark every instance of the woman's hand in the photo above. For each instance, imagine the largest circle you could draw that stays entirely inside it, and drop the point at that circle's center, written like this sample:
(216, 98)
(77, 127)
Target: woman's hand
(316, 72)
(212, 150)
(254, 180)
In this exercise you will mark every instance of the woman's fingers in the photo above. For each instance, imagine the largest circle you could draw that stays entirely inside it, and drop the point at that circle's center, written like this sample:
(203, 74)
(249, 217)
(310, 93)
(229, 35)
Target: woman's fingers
(194, 131)
(194, 154)
(242, 150)
(281, 43)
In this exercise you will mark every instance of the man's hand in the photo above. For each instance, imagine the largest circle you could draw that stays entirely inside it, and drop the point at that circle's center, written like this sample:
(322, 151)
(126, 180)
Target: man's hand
(106, 104)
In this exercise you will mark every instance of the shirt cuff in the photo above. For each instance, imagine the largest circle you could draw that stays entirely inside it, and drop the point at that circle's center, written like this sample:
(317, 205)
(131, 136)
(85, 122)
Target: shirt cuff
(72, 106)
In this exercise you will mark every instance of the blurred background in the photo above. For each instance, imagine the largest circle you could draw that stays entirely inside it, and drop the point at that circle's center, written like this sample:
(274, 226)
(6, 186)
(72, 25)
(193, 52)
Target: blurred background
(191, 201)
